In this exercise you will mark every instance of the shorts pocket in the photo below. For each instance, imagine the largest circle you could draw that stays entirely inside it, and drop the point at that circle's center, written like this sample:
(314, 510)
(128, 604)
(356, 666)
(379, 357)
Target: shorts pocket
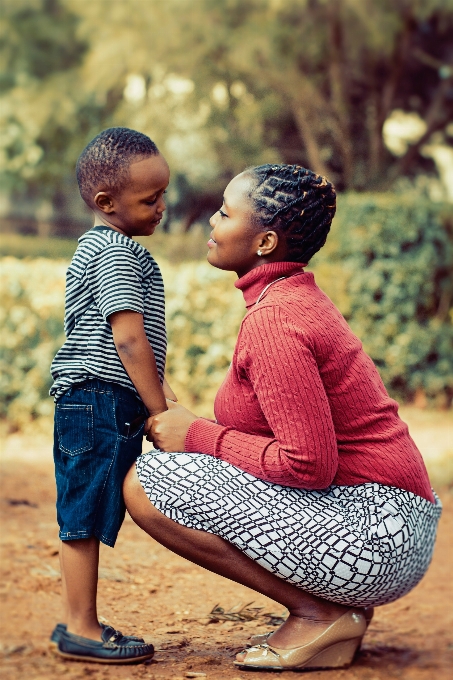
(75, 428)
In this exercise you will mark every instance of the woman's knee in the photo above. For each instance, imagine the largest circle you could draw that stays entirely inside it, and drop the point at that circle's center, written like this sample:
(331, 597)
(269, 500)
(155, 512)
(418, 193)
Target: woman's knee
(137, 502)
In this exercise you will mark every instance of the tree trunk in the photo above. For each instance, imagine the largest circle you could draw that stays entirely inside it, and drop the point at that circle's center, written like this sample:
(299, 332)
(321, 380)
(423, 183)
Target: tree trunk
(306, 129)
(337, 93)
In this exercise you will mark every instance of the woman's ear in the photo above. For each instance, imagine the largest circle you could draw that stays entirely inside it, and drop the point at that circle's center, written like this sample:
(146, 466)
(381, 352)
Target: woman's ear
(268, 242)
(104, 202)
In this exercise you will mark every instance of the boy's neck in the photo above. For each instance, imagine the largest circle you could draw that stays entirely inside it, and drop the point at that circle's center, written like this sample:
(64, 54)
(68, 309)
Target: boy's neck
(100, 222)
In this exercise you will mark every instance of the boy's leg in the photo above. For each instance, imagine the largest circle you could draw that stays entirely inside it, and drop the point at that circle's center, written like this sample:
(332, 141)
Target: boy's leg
(93, 452)
(64, 597)
(79, 566)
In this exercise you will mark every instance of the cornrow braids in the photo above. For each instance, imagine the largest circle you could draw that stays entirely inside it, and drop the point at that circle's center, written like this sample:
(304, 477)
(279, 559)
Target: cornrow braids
(295, 201)
(104, 163)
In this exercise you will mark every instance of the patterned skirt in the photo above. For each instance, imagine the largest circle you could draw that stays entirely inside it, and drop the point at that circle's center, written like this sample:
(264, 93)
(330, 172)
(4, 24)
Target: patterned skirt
(355, 545)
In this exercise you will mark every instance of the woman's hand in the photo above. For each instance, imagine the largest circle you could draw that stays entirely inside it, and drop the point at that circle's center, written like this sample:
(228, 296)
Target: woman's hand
(168, 430)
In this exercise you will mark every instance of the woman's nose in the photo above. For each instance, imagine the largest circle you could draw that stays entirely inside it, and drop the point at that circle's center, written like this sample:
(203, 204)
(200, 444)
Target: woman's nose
(212, 221)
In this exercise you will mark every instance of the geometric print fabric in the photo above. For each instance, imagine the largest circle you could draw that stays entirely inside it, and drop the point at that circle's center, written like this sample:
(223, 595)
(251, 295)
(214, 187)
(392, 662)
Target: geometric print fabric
(363, 545)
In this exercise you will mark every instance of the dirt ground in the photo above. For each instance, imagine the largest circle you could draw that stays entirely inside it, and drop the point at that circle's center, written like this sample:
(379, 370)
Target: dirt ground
(146, 589)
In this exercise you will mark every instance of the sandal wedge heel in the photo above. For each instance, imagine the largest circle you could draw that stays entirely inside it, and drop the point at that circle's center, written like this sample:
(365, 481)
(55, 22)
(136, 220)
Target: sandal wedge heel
(368, 613)
(334, 648)
(339, 655)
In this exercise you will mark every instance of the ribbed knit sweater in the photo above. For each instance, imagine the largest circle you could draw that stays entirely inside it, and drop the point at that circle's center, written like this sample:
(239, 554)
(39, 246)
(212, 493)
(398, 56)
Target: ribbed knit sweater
(302, 404)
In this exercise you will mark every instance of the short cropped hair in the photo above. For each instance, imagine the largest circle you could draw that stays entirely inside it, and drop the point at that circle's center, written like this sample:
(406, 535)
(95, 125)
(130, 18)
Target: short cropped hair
(296, 202)
(104, 163)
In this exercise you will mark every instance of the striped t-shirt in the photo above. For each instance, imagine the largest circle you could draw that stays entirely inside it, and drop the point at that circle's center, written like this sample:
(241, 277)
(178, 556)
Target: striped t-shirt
(109, 273)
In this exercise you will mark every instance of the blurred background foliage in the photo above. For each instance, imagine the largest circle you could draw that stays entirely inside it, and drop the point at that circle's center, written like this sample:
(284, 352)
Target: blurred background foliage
(360, 90)
(388, 265)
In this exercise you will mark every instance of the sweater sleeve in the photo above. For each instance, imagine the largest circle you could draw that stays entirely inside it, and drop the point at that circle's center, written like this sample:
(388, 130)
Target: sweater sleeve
(282, 369)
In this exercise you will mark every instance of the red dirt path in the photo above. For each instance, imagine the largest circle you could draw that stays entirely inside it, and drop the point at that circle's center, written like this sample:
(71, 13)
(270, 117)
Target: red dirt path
(147, 589)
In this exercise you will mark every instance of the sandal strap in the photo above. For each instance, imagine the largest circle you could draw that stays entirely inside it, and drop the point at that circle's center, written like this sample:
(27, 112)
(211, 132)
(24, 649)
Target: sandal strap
(263, 646)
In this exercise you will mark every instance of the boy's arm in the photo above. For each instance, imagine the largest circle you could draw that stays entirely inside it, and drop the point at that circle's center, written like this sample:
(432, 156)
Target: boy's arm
(137, 357)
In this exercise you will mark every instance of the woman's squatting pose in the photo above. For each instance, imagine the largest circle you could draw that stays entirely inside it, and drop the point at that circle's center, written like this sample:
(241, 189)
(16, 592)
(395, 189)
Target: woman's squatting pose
(307, 488)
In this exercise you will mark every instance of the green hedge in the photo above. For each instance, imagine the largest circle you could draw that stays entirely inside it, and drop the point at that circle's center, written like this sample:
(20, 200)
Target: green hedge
(388, 264)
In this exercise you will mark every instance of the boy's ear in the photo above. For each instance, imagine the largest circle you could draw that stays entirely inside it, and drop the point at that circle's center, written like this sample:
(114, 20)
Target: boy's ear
(104, 202)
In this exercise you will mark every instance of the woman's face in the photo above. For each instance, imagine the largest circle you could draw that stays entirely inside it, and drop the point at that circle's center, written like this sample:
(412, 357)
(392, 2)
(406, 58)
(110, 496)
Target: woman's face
(235, 240)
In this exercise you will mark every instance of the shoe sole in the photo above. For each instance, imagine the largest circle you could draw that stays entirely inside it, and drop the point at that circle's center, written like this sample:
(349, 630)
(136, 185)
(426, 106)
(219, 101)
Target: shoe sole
(54, 645)
(299, 669)
(79, 657)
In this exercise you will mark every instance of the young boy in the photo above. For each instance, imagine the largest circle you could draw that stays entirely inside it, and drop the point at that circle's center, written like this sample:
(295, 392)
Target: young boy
(108, 376)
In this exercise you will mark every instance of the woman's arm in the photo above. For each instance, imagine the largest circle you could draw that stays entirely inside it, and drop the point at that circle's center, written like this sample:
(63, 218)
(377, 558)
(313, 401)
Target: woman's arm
(282, 369)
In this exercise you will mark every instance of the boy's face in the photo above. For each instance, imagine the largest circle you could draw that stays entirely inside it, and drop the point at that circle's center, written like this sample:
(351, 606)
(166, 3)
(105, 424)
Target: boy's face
(138, 208)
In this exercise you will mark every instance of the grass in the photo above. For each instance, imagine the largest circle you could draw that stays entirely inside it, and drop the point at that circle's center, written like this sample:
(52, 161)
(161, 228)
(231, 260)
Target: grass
(21, 247)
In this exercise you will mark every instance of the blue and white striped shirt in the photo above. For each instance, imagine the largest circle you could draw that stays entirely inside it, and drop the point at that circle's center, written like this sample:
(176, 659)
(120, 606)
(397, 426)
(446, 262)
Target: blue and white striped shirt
(109, 273)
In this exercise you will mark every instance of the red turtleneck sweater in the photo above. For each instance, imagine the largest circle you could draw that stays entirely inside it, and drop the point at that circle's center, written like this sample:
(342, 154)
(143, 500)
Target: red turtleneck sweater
(302, 405)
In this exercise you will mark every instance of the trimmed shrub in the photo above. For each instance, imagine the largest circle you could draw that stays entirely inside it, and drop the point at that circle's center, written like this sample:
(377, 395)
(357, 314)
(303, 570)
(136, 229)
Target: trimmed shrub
(204, 311)
(388, 265)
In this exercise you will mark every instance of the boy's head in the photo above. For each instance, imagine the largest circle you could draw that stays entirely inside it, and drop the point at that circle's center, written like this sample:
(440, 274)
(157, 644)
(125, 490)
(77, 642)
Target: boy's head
(122, 177)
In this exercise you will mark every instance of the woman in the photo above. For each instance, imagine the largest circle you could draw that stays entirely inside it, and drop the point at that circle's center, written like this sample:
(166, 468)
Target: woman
(308, 487)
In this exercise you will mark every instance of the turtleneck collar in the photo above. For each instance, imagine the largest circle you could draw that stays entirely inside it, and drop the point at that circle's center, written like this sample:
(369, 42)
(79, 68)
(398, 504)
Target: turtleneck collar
(253, 283)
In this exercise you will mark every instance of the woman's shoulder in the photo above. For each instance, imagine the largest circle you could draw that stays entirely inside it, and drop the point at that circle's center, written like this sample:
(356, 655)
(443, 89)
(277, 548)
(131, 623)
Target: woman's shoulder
(298, 298)
(273, 323)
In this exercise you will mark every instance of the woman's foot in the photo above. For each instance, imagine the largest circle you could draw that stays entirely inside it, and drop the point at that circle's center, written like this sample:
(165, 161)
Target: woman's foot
(303, 643)
(368, 612)
(300, 629)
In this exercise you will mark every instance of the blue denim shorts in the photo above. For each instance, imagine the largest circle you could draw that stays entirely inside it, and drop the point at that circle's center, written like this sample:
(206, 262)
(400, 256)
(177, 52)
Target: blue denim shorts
(97, 438)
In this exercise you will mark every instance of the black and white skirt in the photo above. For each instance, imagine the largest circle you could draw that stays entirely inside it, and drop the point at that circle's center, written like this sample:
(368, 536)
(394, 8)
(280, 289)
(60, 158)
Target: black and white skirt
(355, 545)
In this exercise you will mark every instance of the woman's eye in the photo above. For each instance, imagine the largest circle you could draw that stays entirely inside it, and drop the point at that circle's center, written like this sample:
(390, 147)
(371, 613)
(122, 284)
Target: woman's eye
(222, 214)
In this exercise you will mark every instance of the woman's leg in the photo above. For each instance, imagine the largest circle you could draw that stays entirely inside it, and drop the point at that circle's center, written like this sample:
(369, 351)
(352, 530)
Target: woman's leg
(308, 614)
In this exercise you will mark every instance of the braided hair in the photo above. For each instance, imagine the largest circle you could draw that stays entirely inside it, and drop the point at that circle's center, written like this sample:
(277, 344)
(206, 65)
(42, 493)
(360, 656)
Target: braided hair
(104, 162)
(296, 202)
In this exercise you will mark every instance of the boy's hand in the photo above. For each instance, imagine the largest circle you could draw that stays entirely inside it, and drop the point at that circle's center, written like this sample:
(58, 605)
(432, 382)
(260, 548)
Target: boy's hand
(147, 428)
(169, 394)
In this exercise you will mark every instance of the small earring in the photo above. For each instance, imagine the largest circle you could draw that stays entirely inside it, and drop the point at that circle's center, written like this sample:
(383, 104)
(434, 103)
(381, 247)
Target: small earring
(259, 253)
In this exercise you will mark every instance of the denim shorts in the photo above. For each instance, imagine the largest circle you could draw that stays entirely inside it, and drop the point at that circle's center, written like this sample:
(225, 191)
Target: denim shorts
(97, 438)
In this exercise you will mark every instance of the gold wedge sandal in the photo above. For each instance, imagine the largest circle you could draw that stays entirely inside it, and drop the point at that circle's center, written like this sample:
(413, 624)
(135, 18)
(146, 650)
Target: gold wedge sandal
(334, 648)
(263, 637)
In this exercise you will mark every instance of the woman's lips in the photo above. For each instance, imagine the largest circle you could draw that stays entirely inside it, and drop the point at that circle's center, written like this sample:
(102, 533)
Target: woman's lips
(211, 243)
